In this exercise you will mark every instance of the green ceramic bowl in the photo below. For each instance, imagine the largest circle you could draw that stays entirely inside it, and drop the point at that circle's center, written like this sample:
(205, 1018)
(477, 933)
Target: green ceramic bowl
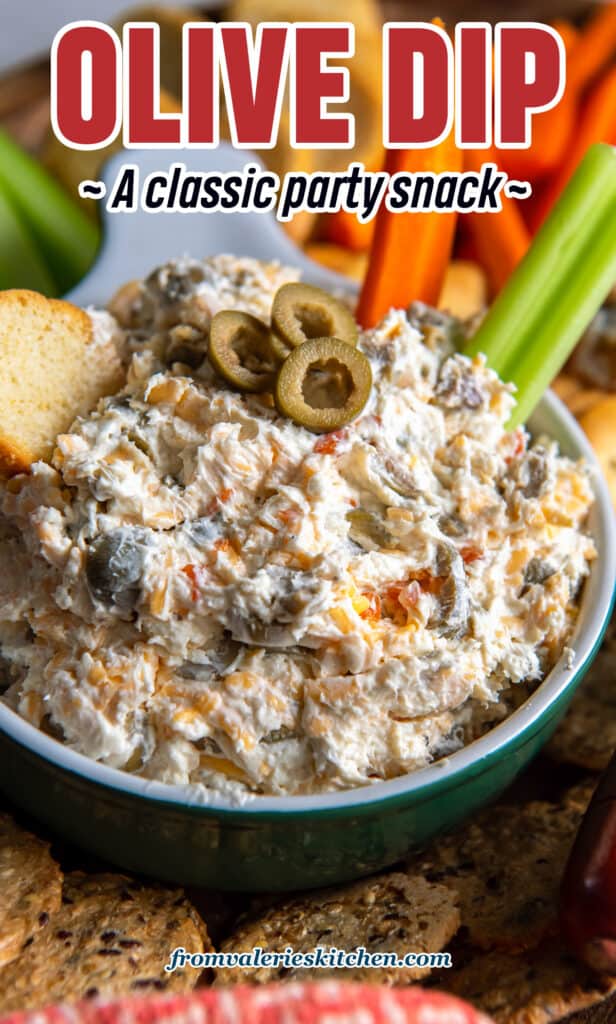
(298, 842)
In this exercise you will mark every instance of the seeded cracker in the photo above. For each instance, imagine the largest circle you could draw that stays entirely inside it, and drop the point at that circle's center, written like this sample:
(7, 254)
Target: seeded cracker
(30, 887)
(539, 987)
(587, 735)
(111, 937)
(389, 913)
(505, 867)
(579, 796)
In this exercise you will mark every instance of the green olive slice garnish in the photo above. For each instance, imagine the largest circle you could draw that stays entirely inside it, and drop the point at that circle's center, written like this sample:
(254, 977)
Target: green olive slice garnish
(241, 350)
(301, 312)
(323, 384)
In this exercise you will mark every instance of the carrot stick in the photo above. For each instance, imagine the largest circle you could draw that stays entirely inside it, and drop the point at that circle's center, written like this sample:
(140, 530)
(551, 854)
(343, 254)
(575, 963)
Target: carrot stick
(551, 134)
(410, 252)
(551, 130)
(587, 53)
(595, 46)
(568, 33)
(596, 124)
(500, 239)
(343, 228)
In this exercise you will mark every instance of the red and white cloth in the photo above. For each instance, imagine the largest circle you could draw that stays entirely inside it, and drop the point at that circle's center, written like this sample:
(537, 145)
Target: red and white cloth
(322, 1003)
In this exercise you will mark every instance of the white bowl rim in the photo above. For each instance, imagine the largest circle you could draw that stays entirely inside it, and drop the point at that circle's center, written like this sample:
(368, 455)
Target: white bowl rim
(591, 624)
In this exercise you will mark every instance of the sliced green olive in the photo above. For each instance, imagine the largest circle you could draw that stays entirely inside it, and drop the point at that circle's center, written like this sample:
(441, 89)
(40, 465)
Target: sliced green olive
(323, 384)
(114, 566)
(367, 530)
(301, 312)
(242, 352)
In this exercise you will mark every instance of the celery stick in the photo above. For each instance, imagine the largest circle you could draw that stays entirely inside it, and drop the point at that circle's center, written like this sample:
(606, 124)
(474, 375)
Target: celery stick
(513, 327)
(21, 265)
(565, 321)
(65, 235)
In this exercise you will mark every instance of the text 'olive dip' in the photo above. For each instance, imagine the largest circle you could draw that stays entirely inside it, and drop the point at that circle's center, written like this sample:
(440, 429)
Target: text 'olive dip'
(201, 591)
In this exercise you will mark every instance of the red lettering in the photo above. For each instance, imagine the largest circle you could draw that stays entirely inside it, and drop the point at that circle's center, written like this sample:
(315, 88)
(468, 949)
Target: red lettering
(145, 125)
(473, 85)
(85, 85)
(312, 84)
(418, 85)
(529, 78)
(253, 98)
(201, 86)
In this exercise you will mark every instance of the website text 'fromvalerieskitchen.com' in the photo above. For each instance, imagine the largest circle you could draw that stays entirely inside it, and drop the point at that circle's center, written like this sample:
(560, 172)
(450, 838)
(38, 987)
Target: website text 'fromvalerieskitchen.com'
(324, 957)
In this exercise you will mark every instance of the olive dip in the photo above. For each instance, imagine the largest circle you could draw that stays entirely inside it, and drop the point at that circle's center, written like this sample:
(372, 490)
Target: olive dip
(202, 591)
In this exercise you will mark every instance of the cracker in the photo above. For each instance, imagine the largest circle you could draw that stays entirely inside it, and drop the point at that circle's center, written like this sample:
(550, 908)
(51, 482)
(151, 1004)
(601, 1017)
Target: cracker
(344, 261)
(112, 936)
(30, 887)
(366, 13)
(580, 795)
(52, 369)
(464, 293)
(587, 735)
(505, 867)
(538, 987)
(392, 913)
(599, 424)
(566, 386)
(584, 400)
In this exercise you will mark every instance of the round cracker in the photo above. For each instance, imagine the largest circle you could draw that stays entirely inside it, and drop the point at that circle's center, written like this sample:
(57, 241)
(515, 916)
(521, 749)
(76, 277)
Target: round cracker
(365, 14)
(366, 77)
(72, 166)
(505, 867)
(336, 257)
(170, 21)
(594, 358)
(580, 795)
(31, 887)
(599, 423)
(587, 735)
(584, 400)
(112, 936)
(391, 913)
(364, 101)
(566, 386)
(464, 293)
(540, 987)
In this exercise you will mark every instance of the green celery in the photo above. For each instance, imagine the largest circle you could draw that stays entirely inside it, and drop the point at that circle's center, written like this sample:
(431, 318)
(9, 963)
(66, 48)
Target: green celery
(563, 324)
(21, 265)
(550, 299)
(66, 236)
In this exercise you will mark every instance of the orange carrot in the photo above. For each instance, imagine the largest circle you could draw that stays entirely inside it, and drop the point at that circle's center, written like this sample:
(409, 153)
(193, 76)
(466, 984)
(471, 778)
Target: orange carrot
(597, 123)
(410, 252)
(594, 48)
(587, 53)
(551, 133)
(343, 228)
(568, 33)
(551, 130)
(500, 239)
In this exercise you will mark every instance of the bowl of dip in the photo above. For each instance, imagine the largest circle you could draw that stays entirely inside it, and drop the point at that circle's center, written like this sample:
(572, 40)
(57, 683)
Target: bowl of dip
(257, 658)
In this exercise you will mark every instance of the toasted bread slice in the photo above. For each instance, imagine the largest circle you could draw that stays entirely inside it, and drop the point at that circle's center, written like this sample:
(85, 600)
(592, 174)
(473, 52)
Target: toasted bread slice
(51, 370)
